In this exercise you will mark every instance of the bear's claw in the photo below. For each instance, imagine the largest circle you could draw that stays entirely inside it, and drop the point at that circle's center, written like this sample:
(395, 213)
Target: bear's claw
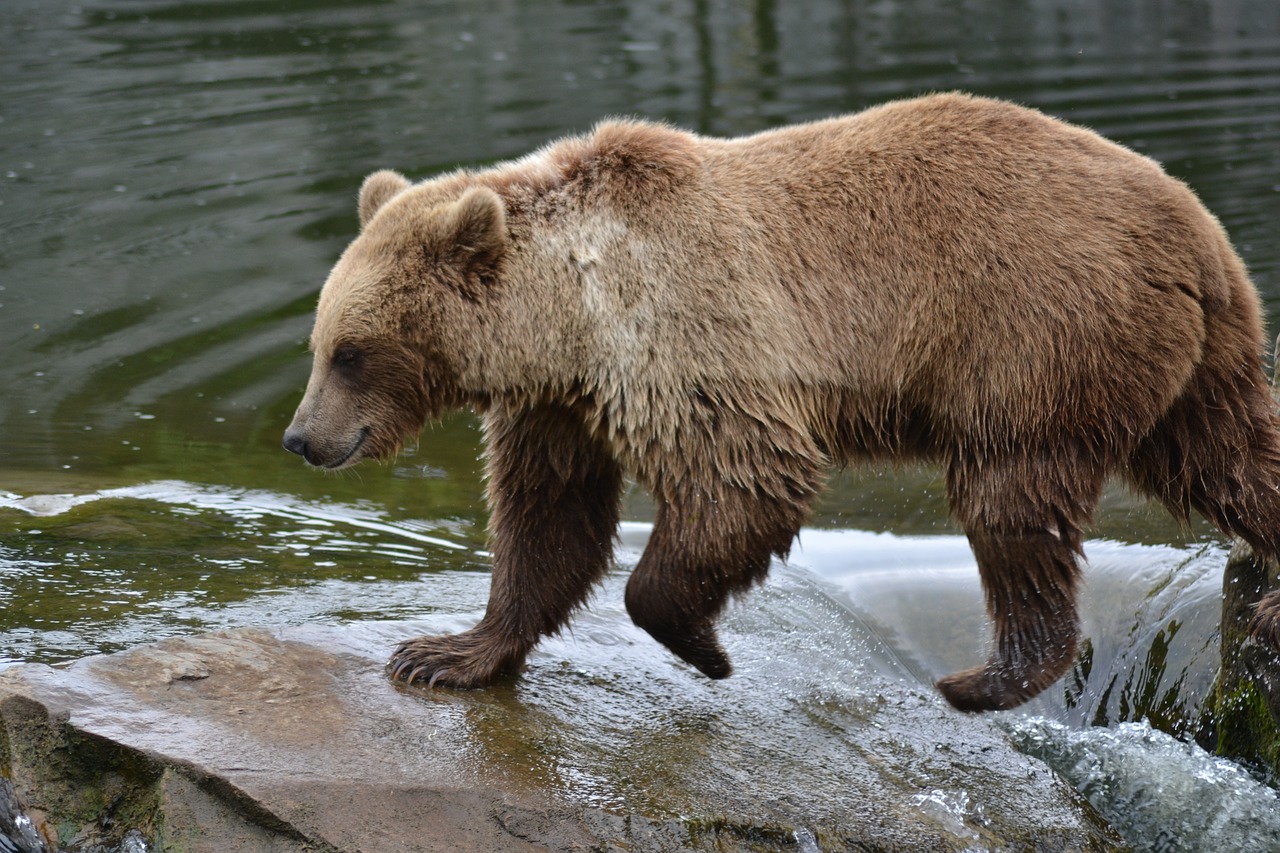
(469, 659)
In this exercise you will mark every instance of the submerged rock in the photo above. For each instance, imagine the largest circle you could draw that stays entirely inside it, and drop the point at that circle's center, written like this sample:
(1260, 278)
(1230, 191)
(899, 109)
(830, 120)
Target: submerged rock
(294, 739)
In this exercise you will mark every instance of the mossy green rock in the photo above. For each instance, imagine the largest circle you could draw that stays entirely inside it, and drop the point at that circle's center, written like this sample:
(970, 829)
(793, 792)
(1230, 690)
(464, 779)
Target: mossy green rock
(1242, 716)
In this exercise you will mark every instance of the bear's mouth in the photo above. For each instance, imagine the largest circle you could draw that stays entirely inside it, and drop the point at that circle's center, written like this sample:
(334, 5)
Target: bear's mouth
(350, 457)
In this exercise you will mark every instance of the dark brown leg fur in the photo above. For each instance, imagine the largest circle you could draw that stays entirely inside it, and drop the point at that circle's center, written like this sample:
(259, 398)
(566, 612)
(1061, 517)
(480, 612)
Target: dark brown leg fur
(734, 496)
(1030, 581)
(553, 494)
(1218, 451)
(703, 548)
(1023, 515)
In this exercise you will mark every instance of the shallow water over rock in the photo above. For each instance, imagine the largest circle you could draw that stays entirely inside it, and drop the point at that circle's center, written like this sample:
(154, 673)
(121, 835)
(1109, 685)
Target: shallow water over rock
(834, 660)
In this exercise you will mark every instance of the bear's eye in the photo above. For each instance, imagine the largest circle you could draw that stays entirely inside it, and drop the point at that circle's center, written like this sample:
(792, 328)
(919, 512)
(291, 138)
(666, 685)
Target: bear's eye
(347, 357)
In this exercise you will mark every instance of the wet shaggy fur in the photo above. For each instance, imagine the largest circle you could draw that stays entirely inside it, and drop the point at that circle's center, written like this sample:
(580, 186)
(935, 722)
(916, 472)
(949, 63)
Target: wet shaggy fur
(951, 278)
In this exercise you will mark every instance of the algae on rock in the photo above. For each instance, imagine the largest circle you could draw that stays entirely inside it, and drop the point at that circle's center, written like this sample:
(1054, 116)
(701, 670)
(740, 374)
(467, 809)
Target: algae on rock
(1242, 715)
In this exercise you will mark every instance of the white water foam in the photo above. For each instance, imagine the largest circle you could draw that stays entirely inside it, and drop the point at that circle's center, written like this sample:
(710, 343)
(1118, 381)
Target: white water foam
(1163, 795)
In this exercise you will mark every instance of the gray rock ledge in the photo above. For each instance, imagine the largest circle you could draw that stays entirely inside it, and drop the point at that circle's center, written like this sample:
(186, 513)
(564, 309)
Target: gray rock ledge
(294, 740)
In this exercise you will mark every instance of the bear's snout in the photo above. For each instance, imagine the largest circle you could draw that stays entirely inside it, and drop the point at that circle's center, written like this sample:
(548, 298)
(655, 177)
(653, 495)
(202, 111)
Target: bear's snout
(320, 452)
(295, 441)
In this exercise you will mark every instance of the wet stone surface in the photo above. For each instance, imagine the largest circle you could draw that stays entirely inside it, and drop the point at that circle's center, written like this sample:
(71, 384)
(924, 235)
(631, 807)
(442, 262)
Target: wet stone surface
(294, 739)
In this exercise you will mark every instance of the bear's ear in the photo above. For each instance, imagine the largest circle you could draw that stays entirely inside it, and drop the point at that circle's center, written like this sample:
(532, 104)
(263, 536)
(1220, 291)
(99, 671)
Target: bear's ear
(475, 229)
(377, 190)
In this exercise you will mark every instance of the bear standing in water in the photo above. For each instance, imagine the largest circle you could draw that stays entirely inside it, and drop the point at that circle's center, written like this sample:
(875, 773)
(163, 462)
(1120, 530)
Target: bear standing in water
(951, 278)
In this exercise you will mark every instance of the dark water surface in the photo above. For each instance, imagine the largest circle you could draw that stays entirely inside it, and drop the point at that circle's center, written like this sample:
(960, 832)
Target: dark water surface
(176, 179)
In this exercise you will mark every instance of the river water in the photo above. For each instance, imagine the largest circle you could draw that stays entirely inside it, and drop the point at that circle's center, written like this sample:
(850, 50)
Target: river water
(176, 179)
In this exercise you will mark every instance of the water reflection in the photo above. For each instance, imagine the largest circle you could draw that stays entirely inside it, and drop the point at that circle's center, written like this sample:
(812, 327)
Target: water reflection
(179, 176)
(104, 570)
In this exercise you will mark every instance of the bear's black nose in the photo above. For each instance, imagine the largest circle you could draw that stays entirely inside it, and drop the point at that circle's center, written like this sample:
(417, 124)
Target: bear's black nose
(295, 442)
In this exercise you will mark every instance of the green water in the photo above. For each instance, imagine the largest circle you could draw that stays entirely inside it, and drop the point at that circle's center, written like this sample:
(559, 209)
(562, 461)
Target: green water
(176, 179)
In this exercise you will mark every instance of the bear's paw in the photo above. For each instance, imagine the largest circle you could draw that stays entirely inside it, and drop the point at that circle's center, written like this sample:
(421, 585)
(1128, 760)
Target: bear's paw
(470, 659)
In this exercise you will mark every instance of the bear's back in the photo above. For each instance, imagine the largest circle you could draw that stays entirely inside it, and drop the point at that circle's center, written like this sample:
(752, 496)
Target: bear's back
(975, 259)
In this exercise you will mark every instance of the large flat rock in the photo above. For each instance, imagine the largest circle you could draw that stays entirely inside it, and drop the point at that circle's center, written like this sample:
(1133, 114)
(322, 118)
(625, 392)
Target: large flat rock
(294, 739)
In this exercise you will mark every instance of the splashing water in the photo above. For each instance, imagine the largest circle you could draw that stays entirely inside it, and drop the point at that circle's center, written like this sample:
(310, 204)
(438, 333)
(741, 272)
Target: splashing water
(1162, 794)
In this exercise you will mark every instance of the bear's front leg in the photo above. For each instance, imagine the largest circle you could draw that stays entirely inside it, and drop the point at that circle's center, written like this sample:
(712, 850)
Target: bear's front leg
(705, 546)
(553, 496)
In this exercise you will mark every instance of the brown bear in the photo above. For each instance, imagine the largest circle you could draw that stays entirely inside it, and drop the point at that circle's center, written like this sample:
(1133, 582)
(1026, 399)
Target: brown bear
(951, 278)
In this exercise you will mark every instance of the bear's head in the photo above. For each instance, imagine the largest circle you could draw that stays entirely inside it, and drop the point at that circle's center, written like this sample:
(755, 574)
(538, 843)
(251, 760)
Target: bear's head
(386, 347)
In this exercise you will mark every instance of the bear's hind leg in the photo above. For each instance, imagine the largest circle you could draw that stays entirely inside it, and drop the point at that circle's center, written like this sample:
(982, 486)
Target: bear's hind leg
(1023, 517)
(554, 493)
(1217, 451)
